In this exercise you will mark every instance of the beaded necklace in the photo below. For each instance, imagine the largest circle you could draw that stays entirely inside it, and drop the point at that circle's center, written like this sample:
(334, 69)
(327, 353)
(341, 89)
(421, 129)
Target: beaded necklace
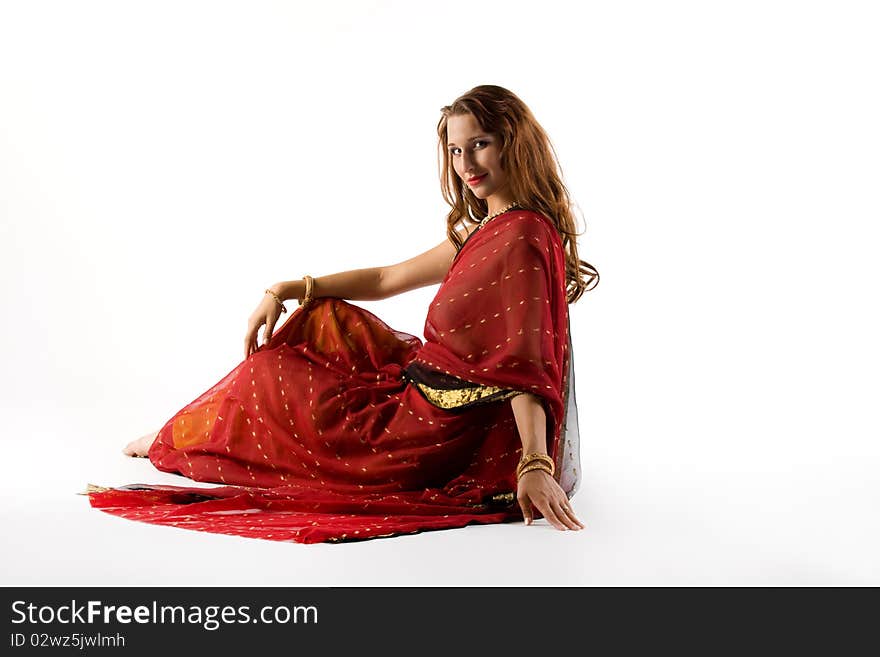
(501, 211)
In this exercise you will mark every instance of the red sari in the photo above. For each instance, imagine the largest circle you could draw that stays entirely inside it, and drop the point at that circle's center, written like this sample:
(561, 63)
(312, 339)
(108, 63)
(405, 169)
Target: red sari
(341, 428)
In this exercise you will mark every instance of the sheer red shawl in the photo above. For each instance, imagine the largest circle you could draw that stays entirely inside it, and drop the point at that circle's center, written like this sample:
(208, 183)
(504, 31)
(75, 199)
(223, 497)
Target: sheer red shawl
(500, 317)
(322, 436)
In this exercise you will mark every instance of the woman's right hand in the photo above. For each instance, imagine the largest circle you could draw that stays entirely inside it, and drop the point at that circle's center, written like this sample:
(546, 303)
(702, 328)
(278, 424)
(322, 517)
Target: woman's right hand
(266, 313)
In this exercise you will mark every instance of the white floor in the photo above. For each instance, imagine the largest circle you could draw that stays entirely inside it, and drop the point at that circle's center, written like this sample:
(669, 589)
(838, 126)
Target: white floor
(802, 525)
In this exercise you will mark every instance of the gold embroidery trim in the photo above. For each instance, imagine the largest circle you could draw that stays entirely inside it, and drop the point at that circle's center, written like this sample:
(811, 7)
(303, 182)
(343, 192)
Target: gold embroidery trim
(461, 396)
(92, 488)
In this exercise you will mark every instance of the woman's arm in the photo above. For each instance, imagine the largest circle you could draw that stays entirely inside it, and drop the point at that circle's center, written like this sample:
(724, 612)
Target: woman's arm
(353, 284)
(538, 488)
(373, 283)
(531, 421)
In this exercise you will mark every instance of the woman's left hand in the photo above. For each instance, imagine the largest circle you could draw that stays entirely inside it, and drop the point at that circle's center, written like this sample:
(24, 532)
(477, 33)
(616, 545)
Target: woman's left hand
(539, 489)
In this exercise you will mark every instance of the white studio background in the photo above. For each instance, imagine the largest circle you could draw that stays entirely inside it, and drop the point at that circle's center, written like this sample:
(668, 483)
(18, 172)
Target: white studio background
(161, 163)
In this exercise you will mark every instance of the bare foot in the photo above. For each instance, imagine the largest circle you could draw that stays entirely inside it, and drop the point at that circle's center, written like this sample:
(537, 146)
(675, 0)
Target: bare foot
(141, 446)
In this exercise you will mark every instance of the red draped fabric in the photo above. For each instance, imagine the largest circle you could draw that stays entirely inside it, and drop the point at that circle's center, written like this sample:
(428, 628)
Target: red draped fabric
(342, 428)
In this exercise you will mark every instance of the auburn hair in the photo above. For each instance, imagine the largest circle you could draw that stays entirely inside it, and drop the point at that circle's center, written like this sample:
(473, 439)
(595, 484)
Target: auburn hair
(532, 169)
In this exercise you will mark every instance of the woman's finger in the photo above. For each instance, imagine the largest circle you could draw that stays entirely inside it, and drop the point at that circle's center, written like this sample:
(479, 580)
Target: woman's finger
(525, 505)
(549, 513)
(568, 508)
(566, 514)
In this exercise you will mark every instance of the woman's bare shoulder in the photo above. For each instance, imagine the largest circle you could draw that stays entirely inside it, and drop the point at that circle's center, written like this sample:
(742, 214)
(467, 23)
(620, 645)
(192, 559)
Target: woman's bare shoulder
(464, 230)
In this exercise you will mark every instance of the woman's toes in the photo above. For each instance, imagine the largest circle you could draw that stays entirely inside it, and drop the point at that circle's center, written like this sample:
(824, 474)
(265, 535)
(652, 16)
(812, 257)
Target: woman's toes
(141, 446)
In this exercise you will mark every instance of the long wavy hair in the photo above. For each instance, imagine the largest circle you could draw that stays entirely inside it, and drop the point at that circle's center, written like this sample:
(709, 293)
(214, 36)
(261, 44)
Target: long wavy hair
(525, 149)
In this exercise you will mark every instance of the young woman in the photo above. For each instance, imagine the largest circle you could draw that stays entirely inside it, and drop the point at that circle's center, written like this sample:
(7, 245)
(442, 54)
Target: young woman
(340, 428)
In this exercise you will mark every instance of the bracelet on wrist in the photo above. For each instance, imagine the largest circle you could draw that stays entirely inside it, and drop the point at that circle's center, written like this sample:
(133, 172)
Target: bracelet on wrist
(536, 457)
(277, 300)
(309, 292)
(534, 466)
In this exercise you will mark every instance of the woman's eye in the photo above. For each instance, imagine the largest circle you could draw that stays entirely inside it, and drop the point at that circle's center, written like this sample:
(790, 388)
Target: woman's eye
(452, 150)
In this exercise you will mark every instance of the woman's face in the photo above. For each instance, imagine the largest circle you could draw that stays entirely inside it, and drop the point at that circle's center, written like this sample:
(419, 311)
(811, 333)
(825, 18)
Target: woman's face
(476, 154)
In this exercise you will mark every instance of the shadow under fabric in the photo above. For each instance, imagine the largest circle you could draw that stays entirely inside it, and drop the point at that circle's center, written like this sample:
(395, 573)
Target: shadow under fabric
(341, 428)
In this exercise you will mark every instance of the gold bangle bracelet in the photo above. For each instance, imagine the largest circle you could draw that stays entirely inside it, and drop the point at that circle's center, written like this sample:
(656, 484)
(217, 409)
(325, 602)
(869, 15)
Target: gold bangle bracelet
(535, 455)
(277, 300)
(308, 294)
(536, 458)
(534, 466)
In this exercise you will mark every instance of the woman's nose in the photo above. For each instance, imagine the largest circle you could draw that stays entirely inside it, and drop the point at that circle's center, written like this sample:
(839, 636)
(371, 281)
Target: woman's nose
(466, 162)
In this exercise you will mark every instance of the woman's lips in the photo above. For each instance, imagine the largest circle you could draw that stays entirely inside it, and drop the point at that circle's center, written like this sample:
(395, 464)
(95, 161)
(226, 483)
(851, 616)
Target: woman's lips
(476, 181)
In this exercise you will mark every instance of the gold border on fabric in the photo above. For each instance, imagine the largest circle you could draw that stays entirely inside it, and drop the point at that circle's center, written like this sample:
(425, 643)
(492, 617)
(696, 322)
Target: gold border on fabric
(463, 396)
(93, 488)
